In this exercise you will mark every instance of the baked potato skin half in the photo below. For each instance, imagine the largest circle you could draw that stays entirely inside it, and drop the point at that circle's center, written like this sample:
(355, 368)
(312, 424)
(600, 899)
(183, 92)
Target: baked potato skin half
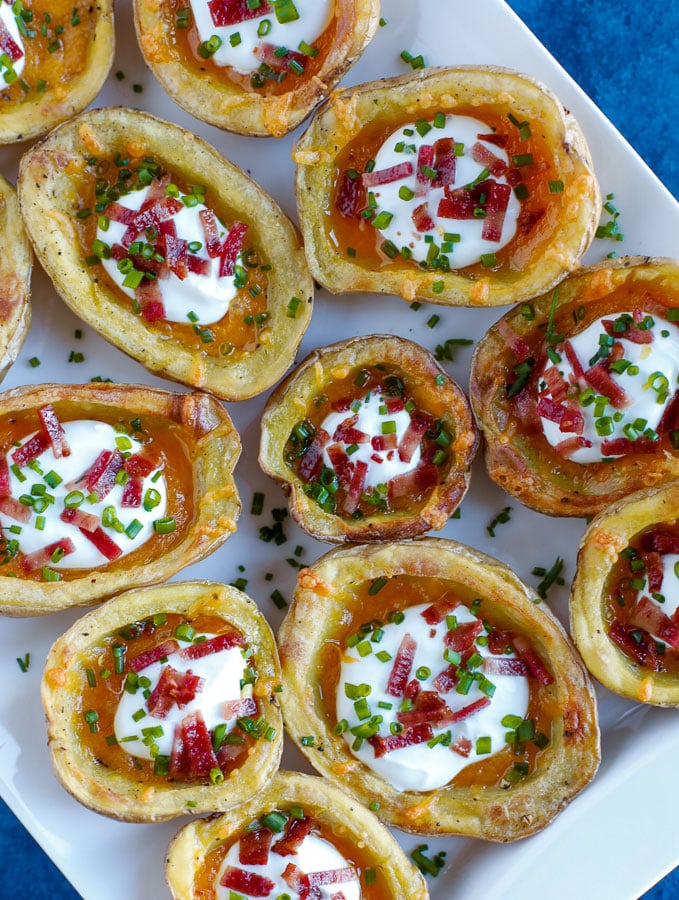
(338, 815)
(213, 447)
(518, 457)
(324, 601)
(15, 279)
(424, 380)
(606, 537)
(215, 98)
(49, 200)
(535, 265)
(117, 794)
(73, 74)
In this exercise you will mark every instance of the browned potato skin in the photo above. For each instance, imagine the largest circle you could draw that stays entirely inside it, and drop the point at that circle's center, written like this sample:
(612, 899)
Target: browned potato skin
(609, 533)
(116, 794)
(47, 198)
(414, 95)
(16, 263)
(43, 111)
(538, 482)
(292, 397)
(490, 812)
(214, 455)
(221, 102)
(332, 808)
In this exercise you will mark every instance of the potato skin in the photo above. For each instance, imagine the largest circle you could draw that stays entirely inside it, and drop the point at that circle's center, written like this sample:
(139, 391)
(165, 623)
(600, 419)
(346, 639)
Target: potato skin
(116, 794)
(221, 102)
(529, 469)
(608, 534)
(488, 812)
(421, 94)
(48, 195)
(16, 264)
(213, 455)
(285, 407)
(326, 804)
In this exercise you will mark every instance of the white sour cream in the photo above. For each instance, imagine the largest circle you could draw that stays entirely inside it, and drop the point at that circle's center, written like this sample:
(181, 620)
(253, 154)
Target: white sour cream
(371, 414)
(314, 855)
(401, 231)
(10, 23)
(222, 672)
(420, 767)
(659, 356)
(86, 439)
(198, 298)
(240, 41)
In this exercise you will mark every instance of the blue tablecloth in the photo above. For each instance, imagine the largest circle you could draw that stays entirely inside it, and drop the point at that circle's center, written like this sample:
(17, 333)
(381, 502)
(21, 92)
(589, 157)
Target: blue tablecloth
(624, 56)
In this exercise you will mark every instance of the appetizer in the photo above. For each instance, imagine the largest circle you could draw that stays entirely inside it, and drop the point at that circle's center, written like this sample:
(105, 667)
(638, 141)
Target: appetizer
(54, 59)
(163, 702)
(576, 392)
(299, 838)
(370, 439)
(469, 186)
(258, 68)
(624, 603)
(167, 250)
(103, 487)
(16, 264)
(424, 678)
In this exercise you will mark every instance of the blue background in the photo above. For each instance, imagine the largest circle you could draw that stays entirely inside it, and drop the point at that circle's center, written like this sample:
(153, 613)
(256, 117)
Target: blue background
(624, 57)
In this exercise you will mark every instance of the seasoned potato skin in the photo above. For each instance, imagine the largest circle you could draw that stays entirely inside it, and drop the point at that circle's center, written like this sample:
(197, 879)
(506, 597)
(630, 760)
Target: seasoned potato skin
(115, 794)
(530, 469)
(221, 102)
(288, 402)
(213, 455)
(421, 94)
(16, 264)
(48, 200)
(608, 534)
(333, 809)
(488, 812)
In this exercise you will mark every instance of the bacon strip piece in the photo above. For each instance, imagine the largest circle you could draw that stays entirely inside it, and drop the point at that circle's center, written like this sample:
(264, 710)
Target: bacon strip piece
(647, 615)
(601, 380)
(54, 431)
(422, 221)
(403, 663)
(5, 487)
(416, 482)
(150, 298)
(569, 446)
(132, 493)
(245, 882)
(253, 849)
(141, 464)
(31, 562)
(214, 645)
(486, 158)
(499, 666)
(210, 232)
(660, 541)
(515, 342)
(173, 687)
(310, 463)
(295, 832)
(419, 422)
(496, 205)
(148, 657)
(428, 707)
(11, 507)
(387, 176)
(104, 544)
(83, 520)
(462, 638)
(462, 746)
(655, 571)
(33, 447)
(425, 159)
(418, 734)
(623, 446)
(231, 247)
(643, 651)
(233, 12)
(444, 162)
(234, 709)
(100, 478)
(8, 45)
(355, 487)
(529, 656)
(192, 754)
(350, 198)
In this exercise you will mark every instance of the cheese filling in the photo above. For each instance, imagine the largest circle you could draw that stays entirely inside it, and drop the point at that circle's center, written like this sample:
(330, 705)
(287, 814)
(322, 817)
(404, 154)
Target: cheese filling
(252, 36)
(608, 386)
(12, 50)
(370, 713)
(48, 488)
(420, 211)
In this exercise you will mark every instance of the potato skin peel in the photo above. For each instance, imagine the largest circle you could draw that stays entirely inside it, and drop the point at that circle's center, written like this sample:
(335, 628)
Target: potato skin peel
(490, 812)
(16, 264)
(48, 198)
(221, 102)
(286, 406)
(419, 94)
(215, 450)
(115, 794)
(608, 534)
(325, 804)
(540, 482)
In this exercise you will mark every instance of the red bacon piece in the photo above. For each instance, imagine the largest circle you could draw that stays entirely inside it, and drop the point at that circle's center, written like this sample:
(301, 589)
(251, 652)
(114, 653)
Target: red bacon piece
(233, 12)
(461, 203)
(500, 666)
(271, 55)
(412, 689)
(210, 232)
(422, 221)
(176, 256)
(141, 464)
(298, 881)
(557, 386)
(213, 645)
(643, 652)
(418, 734)
(567, 418)
(132, 493)
(8, 45)
(104, 544)
(670, 417)
(394, 404)
(198, 265)
(241, 880)
(416, 482)
(387, 176)
(437, 612)
(331, 876)
(100, 478)
(230, 249)
(83, 520)
(31, 562)
(654, 571)
(462, 746)
(486, 158)
(382, 442)
(572, 358)
(446, 680)
(234, 709)
(462, 638)
(631, 332)
(601, 380)
(648, 615)
(535, 665)
(623, 446)
(468, 711)
(148, 657)
(496, 204)
(53, 431)
(309, 465)
(116, 212)
(295, 832)
(11, 507)
(5, 488)
(660, 541)
(347, 432)
(568, 447)
(428, 707)
(444, 162)
(192, 754)
(355, 487)
(31, 449)
(173, 687)
(425, 159)
(515, 342)
(253, 847)
(403, 663)
(500, 140)
(350, 198)
(340, 462)
(154, 210)
(150, 299)
(419, 422)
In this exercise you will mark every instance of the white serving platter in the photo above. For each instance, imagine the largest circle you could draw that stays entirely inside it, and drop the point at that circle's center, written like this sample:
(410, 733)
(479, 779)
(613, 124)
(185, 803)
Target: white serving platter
(619, 836)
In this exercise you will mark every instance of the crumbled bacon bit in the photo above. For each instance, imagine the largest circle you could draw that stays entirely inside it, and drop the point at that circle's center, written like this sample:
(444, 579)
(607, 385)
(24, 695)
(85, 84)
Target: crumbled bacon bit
(515, 342)
(132, 493)
(104, 544)
(173, 687)
(31, 562)
(350, 198)
(234, 709)
(419, 422)
(437, 612)
(214, 645)
(54, 431)
(208, 220)
(486, 158)
(418, 734)
(241, 880)
(100, 478)
(295, 832)
(81, 519)
(660, 541)
(462, 638)
(31, 449)
(148, 657)
(601, 380)
(403, 663)
(5, 487)
(529, 656)
(310, 464)
(253, 847)
(462, 745)
(425, 159)
(231, 247)
(422, 221)
(444, 162)
(192, 754)
(500, 666)
(355, 487)
(11, 507)
(8, 45)
(387, 176)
